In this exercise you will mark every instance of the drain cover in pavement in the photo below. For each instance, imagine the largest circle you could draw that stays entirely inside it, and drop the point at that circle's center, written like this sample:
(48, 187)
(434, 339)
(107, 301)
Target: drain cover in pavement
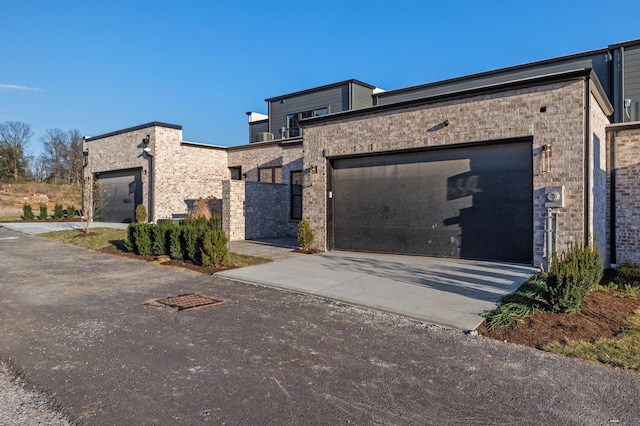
(189, 301)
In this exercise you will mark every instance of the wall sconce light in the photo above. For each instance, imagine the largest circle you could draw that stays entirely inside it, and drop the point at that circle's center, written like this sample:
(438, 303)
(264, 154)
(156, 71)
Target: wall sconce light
(545, 160)
(144, 172)
(146, 140)
(445, 123)
(85, 158)
(314, 169)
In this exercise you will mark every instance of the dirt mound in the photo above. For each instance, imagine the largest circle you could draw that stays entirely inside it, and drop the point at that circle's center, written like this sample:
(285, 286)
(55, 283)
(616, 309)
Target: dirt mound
(15, 195)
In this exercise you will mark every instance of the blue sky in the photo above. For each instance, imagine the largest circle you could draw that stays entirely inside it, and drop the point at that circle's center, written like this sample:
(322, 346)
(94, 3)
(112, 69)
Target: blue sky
(104, 66)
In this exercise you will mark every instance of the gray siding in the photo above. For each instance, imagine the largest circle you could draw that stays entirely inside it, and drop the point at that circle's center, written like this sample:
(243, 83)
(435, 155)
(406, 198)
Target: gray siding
(257, 127)
(597, 61)
(336, 98)
(361, 96)
(632, 81)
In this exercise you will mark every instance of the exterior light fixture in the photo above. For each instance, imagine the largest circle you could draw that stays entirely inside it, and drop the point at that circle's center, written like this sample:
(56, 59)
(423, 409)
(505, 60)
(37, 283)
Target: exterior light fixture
(545, 159)
(146, 140)
(85, 158)
(314, 169)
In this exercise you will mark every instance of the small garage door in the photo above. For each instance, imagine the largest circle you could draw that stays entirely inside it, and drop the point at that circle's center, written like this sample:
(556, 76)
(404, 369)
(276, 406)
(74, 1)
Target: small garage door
(472, 202)
(118, 193)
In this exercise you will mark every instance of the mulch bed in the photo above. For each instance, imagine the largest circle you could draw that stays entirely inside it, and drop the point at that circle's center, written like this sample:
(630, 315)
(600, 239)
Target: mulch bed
(173, 262)
(603, 315)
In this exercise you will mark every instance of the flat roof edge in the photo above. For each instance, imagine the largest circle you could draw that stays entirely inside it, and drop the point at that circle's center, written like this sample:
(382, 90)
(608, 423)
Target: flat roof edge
(460, 94)
(326, 86)
(133, 129)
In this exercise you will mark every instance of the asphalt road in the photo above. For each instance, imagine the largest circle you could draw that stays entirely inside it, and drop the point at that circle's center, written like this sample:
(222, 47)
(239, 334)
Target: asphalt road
(77, 325)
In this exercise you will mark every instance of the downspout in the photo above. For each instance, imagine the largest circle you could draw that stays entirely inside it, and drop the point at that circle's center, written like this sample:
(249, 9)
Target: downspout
(612, 199)
(150, 189)
(587, 159)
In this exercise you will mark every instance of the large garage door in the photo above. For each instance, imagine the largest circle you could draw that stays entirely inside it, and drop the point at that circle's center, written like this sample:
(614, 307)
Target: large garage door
(468, 202)
(118, 195)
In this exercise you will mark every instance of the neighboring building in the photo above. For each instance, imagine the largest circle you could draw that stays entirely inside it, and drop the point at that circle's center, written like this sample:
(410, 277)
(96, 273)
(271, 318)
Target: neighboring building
(458, 168)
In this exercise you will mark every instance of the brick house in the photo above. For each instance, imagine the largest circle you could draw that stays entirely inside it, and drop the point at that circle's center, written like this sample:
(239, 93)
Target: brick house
(460, 168)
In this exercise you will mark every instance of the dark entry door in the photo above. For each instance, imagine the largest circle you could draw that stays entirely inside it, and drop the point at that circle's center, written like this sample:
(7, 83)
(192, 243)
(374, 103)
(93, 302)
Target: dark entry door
(118, 195)
(472, 202)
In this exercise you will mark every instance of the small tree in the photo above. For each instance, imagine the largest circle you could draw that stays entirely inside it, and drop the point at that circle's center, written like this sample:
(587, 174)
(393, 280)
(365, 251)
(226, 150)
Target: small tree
(57, 211)
(27, 212)
(306, 237)
(214, 248)
(141, 213)
(43, 212)
(71, 211)
(94, 200)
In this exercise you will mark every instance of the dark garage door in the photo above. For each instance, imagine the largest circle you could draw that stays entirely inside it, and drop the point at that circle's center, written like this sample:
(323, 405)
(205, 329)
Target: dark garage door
(472, 202)
(118, 193)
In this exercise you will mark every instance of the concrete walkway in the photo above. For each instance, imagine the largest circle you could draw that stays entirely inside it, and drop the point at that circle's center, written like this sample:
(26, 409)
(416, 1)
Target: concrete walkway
(35, 228)
(447, 292)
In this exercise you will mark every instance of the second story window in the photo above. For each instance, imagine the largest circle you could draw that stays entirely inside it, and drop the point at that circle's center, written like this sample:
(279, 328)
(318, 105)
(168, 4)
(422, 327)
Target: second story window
(293, 120)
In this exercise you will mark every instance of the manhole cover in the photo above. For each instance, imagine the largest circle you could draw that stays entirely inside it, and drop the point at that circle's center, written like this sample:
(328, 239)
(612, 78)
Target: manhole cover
(189, 301)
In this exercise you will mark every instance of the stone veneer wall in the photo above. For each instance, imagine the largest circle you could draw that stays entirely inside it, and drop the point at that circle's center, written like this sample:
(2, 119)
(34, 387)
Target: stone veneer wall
(627, 193)
(499, 116)
(184, 172)
(122, 151)
(253, 210)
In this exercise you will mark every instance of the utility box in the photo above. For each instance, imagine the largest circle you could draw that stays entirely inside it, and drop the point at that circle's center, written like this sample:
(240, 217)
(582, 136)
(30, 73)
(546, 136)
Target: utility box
(554, 196)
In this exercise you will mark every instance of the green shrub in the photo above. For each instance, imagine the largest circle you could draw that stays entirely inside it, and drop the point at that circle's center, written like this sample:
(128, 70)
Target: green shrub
(71, 211)
(214, 248)
(27, 212)
(141, 213)
(306, 237)
(130, 242)
(142, 237)
(627, 273)
(57, 212)
(215, 222)
(43, 212)
(572, 275)
(159, 239)
(175, 242)
(192, 242)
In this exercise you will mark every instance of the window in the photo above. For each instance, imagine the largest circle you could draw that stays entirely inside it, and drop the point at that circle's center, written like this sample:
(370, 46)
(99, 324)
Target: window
(296, 195)
(236, 173)
(293, 120)
(270, 174)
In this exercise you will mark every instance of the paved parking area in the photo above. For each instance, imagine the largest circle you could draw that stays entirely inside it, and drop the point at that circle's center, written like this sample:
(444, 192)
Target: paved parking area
(80, 327)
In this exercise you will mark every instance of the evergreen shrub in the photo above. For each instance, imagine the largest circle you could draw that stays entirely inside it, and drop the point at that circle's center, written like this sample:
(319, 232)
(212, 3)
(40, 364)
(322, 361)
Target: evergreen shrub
(27, 212)
(214, 248)
(141, 214)
(43, 212)
(57, 212)
(571, 276)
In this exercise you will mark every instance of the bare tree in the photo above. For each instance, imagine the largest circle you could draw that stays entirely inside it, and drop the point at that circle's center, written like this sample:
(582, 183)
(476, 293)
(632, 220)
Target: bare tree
(63, 153)
(95, 202)
(14, 137)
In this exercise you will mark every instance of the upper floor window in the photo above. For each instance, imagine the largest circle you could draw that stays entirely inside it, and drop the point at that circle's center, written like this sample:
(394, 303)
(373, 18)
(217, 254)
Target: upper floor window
(236, 173)
(293, 120)
(270, 174)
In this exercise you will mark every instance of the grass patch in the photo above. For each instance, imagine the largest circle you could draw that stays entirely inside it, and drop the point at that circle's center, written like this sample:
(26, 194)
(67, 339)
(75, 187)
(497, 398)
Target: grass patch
(11, 218)
(100, 238)
(95, 239)
(622, 350)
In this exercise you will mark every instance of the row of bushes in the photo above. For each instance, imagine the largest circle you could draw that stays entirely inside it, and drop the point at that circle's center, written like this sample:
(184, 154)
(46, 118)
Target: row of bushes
(200, 241)
(58, 212)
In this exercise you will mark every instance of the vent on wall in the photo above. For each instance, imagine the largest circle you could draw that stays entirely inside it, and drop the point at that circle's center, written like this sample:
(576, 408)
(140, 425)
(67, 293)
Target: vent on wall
(264, 137)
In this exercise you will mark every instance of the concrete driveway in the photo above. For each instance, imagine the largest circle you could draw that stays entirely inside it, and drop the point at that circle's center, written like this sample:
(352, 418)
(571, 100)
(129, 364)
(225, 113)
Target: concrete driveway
(447, 292)
(79, 326)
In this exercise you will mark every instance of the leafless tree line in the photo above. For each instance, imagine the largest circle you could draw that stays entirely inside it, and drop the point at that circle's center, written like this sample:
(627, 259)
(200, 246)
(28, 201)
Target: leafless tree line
(60, 161)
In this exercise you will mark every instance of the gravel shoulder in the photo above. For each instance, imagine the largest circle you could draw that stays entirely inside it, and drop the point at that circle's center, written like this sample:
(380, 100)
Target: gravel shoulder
(22, 405)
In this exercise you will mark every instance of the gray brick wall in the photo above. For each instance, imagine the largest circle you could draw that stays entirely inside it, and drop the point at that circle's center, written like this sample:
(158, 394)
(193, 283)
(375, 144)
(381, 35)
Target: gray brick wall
(500, 116)
(253, 210)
